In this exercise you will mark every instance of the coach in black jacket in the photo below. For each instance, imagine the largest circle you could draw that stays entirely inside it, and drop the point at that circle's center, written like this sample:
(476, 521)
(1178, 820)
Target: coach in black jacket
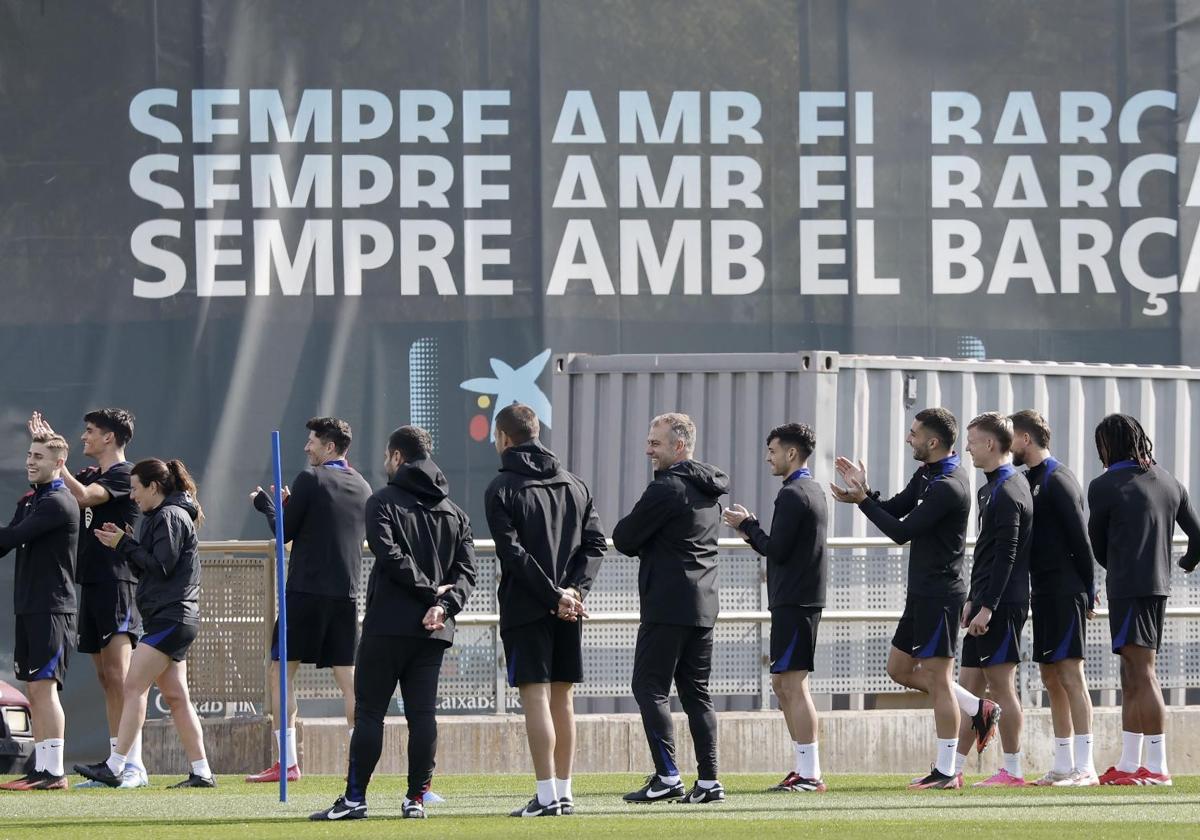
(423, 575)
(673, 530)
(549, 543)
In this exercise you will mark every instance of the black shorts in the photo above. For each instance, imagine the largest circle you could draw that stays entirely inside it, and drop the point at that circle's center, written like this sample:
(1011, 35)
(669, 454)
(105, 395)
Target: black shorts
(794, 638)
(1001, 643)
(107, 609)
(43, 643)
(1059, 627)
(322, 631)
(1137, 621)
(929, 627)
(544, 651)
(170, 637)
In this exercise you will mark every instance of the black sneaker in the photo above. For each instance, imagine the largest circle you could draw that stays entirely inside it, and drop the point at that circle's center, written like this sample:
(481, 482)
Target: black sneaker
(788, 781)
(49, 781)
(566, 806)
(98, 772)
(655, 790)
(340, 810)
(413, 809)
(702, 796)
(803, 785)
(194, 781)
(984, 723)
(537, 809)
(937, 780)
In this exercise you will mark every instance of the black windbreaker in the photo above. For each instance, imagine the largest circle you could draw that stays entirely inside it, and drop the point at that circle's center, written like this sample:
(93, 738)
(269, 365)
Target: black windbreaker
(45, 532)
(165, 554)
(548, 536)
(323, 520)
(421, 541)
(797, 566)
(673, 529)
(1060, 556)
(1133, 516)
(1000, 570)
(935, 506)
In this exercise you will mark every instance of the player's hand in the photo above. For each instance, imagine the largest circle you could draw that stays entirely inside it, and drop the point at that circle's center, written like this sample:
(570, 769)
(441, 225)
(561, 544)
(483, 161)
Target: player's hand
(38, 426)
(848, 470)
(735, 516)
(963, 621)
(109, 534)
(1091, 613)
(856, 490)
(979, 624)
(841, 494)
(570, 606)
(444, 588)
(435, 618)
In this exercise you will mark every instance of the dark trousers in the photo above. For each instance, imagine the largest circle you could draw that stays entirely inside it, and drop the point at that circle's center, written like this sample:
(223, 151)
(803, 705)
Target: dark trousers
(382, 662)
(684, 654)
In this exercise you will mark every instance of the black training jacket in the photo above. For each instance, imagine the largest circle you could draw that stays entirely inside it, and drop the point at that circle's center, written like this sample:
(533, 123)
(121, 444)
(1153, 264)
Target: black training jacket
(45, 532)
(166, 555)
(1000, 570)
(797, 566)
(673, 530)
(421, 541)
(548, 536)
(1060, 556)
(931, 512)
(323, 520)
(1134, 511)
(96, 562)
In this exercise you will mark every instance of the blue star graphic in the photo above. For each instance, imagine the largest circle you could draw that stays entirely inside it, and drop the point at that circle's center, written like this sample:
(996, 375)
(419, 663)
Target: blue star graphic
(515, 385)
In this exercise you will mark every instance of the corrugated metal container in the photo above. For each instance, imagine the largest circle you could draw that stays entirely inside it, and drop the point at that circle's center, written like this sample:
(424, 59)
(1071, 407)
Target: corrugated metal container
(860, 406)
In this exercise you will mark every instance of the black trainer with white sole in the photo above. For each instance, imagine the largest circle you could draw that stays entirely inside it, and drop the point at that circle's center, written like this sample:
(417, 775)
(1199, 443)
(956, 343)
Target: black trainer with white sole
(655, 790)
(341, 810)
(536, 809)
(98, 772)
(194, 781)
(702, 796)
(413, 809)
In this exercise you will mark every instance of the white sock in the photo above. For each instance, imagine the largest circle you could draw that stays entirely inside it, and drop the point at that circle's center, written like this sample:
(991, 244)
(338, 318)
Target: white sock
(1012, 763)
(293, 752)
(563, 786)
(134, 757)
(707, 784)
(546, 794)
(1063, 760)
(54, 757)
(968, 702)
(39, 758)
(1083, 754)
(1131, 752)
(1156, 753)
(116, 762)
(112, 744)
(808, 764)
(946, 749)
(960, 762)
(669, 780)
(201, 769)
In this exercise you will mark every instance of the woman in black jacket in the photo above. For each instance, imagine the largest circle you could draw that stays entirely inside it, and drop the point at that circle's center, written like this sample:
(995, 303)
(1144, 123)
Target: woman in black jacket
(165, 555)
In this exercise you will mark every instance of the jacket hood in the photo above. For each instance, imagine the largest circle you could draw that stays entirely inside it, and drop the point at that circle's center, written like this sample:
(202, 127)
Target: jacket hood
(423, 479)
(530, 459)
(708, 479)
(183, 500)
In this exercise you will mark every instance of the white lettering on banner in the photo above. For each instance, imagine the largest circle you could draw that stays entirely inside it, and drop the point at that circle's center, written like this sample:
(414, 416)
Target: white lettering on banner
(660, 192)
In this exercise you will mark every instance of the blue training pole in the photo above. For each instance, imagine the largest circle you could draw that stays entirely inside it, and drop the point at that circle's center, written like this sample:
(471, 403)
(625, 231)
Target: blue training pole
(281, 714)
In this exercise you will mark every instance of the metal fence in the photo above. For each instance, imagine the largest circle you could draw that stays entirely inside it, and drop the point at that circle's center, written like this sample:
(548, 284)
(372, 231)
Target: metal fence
(865, 598)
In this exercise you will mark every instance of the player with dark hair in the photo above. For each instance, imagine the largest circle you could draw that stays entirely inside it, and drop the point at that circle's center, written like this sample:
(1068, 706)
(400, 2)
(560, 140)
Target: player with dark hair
(1135, 505)
(423, 575)
(931, 512)
(673, 530)
(998, 603)
(549, 544)
(108, 623)
(796, 576)
(1063, 590)
(45, 532)
(165, 553)
(324, 523)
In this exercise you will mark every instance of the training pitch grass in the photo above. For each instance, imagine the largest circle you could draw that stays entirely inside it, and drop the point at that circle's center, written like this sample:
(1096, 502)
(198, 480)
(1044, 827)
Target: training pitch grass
(477, 807)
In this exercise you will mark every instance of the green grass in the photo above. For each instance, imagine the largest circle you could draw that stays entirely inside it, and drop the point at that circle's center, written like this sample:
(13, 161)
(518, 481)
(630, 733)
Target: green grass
(856, 806)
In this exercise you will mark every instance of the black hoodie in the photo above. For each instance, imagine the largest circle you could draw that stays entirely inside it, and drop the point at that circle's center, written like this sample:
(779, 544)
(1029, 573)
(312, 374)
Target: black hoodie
(548, 536)
(45, 532)
(421, 541)
(673, 529)
(165, 556)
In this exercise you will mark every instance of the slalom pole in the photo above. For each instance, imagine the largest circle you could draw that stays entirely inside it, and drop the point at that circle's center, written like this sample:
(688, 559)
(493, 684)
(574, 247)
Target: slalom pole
(281, 714)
